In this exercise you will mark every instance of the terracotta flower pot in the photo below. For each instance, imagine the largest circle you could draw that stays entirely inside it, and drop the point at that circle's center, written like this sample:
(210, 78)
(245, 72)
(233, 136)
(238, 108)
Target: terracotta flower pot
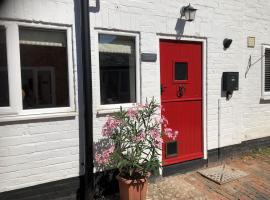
(132, 189)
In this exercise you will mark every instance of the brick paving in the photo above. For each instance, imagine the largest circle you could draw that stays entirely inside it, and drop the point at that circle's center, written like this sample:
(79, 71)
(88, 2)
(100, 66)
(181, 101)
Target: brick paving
(193, 186)
(254, 186)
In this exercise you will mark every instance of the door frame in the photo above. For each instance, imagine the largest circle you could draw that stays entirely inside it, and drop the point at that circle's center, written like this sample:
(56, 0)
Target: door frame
(203, 40)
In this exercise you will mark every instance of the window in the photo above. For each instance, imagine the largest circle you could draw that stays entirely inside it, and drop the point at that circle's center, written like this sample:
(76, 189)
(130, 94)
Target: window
(181, 71)
(45, 72)
(38, 62)
(4, 89)
(117, 60)
(266, 71)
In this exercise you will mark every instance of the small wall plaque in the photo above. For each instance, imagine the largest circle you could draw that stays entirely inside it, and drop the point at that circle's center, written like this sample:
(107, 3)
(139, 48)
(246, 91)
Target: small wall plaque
(251, 42)
(149, 57)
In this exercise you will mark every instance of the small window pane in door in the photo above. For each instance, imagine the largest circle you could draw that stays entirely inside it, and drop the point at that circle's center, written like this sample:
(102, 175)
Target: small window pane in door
(4, 87)
(181, 71)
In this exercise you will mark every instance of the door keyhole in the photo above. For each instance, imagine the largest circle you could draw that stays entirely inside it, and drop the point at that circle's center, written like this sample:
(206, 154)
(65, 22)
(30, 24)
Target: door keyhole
(181, 90)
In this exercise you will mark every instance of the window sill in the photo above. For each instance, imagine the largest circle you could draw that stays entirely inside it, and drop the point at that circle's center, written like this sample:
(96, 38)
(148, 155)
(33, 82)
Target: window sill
(109, 109)
(23, 117)
(265, 97)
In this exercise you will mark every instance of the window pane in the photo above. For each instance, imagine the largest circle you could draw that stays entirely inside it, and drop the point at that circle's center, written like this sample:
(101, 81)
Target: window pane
(117, 69)
(267, 71)
(181, 71)
(4, 90)
(44, 68)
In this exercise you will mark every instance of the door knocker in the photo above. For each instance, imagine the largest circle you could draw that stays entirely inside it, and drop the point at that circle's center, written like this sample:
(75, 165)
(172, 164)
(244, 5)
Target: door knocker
(181, 90)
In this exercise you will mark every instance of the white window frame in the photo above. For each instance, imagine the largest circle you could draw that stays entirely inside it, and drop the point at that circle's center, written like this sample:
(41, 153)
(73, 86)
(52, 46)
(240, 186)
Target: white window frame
(15, 111)
(264, 95)
(110, 108)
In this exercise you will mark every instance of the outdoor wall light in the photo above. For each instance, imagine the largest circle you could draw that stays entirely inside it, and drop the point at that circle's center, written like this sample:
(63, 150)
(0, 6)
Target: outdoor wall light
(189, 12)
(227, 43)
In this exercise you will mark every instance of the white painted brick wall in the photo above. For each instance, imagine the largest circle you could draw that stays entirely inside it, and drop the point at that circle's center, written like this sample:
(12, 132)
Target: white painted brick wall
(33, 153)
(46, 150)
(243, 117)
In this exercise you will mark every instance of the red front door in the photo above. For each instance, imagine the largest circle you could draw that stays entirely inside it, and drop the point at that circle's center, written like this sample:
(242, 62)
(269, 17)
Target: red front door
(181, 98)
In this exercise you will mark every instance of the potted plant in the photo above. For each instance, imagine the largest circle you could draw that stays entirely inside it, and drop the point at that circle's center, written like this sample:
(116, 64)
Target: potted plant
(135, 141)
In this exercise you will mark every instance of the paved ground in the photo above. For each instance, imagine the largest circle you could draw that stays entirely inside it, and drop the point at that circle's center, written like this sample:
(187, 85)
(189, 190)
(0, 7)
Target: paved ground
(193, 186)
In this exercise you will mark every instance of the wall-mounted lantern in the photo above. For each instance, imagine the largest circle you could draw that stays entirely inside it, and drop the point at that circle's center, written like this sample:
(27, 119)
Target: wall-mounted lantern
(227, 43)
(189, 12)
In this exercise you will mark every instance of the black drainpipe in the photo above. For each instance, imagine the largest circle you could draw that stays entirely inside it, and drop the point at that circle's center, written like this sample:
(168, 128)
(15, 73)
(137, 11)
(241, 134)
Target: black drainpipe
(88, 186)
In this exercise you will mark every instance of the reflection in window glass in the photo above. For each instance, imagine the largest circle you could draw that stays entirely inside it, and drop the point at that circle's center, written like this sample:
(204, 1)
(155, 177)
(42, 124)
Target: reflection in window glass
(44, 68)
(4, 87)
(117, 69)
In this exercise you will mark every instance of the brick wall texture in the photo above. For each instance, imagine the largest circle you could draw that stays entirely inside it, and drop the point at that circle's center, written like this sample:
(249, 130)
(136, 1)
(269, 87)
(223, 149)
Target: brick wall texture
(48, 150)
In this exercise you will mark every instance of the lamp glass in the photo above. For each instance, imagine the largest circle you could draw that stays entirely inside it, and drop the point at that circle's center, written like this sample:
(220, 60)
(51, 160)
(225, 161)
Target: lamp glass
(192, 15)
(187, 14)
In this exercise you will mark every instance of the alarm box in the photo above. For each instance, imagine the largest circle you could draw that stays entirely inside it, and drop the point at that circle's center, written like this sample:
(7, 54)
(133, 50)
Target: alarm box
(230, 81)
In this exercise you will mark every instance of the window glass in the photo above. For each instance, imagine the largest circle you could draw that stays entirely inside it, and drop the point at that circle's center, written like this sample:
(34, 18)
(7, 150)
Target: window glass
(267, 71)
(44, 68)
(4, 87)
(117, 69)
(181, 71)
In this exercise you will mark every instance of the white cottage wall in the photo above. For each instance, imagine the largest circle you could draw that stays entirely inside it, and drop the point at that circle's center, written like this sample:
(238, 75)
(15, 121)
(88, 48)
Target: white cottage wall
(34, 152)
(241, 118)
(46, 149)
(256, 115)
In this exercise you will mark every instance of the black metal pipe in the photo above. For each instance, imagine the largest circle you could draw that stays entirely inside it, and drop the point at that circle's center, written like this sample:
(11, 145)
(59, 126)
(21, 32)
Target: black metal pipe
(88, 186)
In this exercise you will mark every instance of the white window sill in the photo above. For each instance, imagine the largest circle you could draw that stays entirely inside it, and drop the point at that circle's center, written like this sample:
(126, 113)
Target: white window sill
(23, 117)
(265, 97)
(109, 109)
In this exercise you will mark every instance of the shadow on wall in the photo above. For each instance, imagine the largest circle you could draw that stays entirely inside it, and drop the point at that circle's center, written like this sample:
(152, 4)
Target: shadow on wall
(179, 27)
(105, 182)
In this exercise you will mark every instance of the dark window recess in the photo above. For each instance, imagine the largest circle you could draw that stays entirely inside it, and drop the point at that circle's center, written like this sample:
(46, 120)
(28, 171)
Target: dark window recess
(267, 71)
(171, 149)
(181, 71)
(44, 68)
(117, 69)
(4, 87)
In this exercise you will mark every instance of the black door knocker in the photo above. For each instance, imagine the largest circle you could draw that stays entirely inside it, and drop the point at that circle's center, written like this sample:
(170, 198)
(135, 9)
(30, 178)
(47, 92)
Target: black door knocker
(181, 90)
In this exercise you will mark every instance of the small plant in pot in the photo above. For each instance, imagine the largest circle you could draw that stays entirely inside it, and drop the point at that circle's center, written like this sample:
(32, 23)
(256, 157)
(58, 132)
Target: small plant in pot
(135, 138)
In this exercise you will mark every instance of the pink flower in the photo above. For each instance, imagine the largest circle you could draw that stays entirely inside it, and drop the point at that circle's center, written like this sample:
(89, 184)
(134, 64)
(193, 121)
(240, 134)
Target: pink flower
(104, 157)
(140, 137)
(109, 126)
(161, 108)
(156, 136)
(163, 120)
(171, 134)
(132, 112)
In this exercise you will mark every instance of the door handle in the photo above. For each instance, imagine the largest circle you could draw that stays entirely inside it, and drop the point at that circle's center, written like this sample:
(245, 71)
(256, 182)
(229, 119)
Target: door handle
(181, 90)
(162, 88)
